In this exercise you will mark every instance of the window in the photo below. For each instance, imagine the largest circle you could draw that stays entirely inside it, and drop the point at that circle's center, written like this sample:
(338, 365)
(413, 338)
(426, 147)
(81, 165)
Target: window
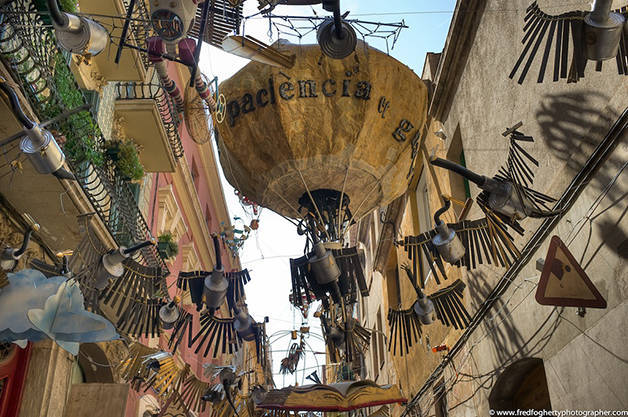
(208, 216)
(195, 176)
(392, 279)
(425, 218)
(459, 186)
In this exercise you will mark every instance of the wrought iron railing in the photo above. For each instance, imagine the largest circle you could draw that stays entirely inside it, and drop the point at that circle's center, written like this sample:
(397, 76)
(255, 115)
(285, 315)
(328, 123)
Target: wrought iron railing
(51, 91)
(165, 106)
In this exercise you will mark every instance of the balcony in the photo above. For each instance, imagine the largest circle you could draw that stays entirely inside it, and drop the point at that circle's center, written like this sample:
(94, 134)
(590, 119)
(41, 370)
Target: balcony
(51, 90)
(132, 65)
(146, 114)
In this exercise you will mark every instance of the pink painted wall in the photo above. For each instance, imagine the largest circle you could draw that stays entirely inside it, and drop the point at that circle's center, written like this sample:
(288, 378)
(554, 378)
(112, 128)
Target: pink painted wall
(193, 157)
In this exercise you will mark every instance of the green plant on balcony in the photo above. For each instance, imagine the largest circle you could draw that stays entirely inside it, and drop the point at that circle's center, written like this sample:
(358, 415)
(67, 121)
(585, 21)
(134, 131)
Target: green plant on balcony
(79, 130)
(65, 5)
(166, 246)
(124, 155)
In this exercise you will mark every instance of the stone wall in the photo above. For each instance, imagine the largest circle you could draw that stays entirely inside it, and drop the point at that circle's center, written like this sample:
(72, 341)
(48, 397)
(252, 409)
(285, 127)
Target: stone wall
(584, 357)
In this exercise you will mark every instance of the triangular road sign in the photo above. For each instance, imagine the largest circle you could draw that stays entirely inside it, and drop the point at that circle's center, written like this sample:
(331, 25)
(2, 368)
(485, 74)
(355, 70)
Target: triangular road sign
(564, 283)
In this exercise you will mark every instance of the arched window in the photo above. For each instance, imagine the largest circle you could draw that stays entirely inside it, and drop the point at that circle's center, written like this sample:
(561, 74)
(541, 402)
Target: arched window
(93, 364)
(521, 385)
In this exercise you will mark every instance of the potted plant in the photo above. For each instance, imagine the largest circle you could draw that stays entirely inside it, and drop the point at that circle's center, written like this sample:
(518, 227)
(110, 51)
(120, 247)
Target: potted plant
(124, 155)
(166, 246)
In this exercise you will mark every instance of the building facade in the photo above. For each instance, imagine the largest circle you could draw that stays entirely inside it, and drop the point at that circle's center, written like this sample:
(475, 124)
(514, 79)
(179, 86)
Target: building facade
(515, 353)
(179, 194)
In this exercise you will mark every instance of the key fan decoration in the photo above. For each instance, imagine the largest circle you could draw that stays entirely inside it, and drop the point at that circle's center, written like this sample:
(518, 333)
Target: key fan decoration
(506, 198)
(466, 243)
(598, 36)
(445, 304)
(218, 333)
(323, 276)
(150, 368)
(346, 339)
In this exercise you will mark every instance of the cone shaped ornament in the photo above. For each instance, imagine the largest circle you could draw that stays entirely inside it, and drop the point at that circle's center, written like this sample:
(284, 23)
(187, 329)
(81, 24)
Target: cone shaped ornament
(325, 124)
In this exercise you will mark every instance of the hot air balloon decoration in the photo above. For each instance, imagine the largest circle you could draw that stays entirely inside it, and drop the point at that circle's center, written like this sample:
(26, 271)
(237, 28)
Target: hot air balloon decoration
(310, 144)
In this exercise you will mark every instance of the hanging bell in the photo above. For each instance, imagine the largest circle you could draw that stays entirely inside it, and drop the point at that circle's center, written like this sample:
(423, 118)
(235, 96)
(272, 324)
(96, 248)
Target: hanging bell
(111, 263)
(324, 266)
(337, 336)
(215, 289)
(216, 283)
(424, 309)
(447, 244)
(602, 31)
(244, 326)
(77, 34)
(169, 314)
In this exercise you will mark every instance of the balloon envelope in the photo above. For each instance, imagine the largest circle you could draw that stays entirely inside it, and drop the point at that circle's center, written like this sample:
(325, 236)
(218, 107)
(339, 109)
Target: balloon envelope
(346, 125)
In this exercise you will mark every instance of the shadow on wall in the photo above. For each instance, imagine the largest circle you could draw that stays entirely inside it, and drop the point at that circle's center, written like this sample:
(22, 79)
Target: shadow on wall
(501, 328)
(504, 334)
(572, 124)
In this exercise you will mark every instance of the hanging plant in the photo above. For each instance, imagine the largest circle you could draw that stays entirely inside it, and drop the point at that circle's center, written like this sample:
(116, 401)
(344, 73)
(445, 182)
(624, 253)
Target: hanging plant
(166, 246)
(124, 155)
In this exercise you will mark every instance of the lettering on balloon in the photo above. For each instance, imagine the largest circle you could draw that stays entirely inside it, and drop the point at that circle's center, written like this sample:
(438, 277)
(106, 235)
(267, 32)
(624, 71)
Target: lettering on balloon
(383, 106)
(299, 89)
(404, 127)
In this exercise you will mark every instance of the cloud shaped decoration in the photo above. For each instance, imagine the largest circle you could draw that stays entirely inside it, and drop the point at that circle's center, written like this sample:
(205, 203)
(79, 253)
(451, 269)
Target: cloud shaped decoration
(27, 289)
(65, 319)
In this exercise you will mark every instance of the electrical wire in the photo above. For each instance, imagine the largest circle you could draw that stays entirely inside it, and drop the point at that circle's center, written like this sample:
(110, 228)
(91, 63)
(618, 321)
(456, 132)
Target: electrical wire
(588, 215)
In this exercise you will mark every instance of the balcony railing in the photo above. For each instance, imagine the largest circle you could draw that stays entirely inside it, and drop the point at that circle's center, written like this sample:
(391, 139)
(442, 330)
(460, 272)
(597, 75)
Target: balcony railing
(165, 106)
(51, 91)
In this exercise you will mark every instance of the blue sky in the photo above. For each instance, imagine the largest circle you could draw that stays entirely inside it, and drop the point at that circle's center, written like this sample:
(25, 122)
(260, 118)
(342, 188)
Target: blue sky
(266, 253)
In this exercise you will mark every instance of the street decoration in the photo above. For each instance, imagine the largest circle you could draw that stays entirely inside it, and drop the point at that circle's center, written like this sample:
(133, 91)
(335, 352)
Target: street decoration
(34, 307)
(445, 305)
(63, 317)
(506, 199)
(476, 242)
(9, 256)
(564, 283)
(133, 293)
(37, 143)
(27, 289)
(219, 334)
(235, 234)
(598, 35)
(310, 144)
(344, 396)
(291, 361)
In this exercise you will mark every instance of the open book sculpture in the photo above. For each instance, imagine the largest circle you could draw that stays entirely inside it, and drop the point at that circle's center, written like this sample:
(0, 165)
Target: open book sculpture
(343, 396)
